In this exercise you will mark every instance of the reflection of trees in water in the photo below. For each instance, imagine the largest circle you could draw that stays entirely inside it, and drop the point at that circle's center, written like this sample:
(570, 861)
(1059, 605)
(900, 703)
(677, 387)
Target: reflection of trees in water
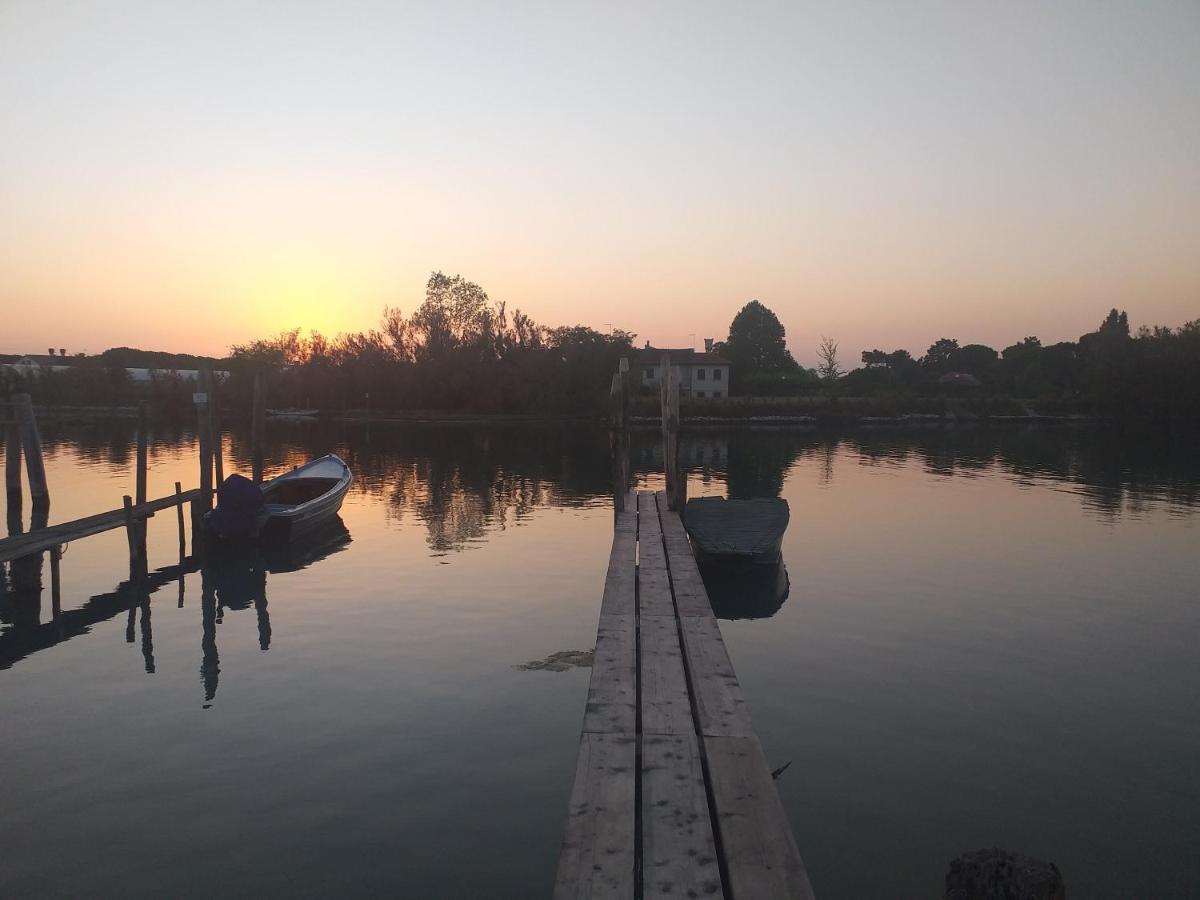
(1114, 472)
(462, 482)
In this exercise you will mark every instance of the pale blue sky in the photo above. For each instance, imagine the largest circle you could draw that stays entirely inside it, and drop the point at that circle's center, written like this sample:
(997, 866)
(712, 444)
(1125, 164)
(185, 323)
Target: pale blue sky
(185, 175)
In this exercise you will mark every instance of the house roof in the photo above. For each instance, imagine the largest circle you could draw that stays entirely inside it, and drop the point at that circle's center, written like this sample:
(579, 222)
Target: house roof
(44, 359)
(685, 356)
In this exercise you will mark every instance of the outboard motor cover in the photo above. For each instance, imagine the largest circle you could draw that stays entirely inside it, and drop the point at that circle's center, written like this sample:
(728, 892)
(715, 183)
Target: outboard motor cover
(238, 502)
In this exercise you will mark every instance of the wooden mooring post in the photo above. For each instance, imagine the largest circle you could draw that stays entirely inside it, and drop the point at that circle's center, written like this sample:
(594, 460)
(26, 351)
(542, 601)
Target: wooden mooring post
(12, 467)
(204, 438)
(31, 441)
(669, 397)
(618, 440)
(258, 426)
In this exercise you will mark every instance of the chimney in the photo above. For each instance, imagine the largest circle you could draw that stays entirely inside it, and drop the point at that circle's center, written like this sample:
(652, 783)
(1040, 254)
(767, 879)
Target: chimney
(50, 350)
(62, 352)
(647, 345)
(708, 342)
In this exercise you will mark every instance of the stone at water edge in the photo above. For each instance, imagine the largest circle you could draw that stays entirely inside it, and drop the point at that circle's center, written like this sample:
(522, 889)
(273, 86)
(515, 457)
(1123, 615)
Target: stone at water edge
(1000, 875)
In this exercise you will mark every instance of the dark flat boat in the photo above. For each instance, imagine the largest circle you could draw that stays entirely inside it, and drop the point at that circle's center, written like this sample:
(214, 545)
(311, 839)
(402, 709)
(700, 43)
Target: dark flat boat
(291, 505)
(749, 531)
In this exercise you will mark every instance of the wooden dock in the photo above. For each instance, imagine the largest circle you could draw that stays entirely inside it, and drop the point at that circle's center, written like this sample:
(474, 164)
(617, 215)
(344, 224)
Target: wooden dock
(673, 796)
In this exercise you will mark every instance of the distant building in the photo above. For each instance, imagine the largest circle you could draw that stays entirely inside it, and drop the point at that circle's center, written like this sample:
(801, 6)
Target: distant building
(34, 365)
(701, 375)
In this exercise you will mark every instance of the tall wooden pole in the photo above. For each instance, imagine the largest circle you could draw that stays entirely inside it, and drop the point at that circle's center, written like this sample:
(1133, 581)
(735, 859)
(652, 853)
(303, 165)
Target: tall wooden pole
(12, 467)
(616, 440)
(35, 468)
(203, 423)
(142, 440)
(214, 426)
(258, 425)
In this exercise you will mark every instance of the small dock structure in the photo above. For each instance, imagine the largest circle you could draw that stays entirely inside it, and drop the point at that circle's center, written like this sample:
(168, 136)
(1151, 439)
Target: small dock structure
(673, 796)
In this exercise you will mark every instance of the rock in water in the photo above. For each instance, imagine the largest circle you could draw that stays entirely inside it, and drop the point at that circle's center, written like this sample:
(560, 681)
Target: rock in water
(999, 875)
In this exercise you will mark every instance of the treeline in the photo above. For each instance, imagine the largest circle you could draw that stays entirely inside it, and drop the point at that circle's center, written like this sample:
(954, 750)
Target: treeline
(1153, 373)
(457, 351)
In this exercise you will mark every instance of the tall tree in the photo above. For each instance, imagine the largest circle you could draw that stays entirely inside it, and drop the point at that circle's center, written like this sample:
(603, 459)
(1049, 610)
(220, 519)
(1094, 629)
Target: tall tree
(756, 341)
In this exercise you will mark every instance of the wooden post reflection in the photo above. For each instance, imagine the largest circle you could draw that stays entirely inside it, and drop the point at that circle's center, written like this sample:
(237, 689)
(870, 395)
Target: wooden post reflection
(210, 663)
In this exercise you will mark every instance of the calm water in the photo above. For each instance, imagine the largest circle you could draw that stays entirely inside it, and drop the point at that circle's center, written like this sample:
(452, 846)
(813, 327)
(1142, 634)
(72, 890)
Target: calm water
(980, 637)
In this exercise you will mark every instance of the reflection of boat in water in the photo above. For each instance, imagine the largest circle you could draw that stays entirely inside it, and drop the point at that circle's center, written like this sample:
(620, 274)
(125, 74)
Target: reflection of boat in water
(737, 530)
(235, 577)
(287, 506)
(745, 591)
(236, 568)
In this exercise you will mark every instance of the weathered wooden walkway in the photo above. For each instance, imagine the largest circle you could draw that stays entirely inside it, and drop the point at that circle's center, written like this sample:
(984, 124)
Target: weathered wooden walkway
(673, 796)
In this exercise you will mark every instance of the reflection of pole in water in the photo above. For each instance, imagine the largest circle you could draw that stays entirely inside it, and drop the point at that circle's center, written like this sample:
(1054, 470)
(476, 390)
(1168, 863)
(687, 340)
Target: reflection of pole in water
(825, 474)
(210, 664)
(260, 607)
(147, 635)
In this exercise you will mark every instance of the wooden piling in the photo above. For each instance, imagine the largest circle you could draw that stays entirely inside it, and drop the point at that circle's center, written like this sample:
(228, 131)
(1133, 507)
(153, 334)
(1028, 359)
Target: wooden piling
(12, 464)
(142, 461)
(35, 468)
(179, 512)
(214, 429)
(618, 439)
(204, 438)
(131, 529)
(669, 398)
(197, 514)
(258, 426)
(55, 583)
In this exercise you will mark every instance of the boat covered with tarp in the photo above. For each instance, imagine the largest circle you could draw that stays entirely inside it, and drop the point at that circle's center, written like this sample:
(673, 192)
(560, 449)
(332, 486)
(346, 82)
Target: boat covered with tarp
(748, 531)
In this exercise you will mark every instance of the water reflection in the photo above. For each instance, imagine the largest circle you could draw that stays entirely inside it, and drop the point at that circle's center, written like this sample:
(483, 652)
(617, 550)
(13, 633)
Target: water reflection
(233, 579)
(462, 483)
(745, 591)
(1113, 472)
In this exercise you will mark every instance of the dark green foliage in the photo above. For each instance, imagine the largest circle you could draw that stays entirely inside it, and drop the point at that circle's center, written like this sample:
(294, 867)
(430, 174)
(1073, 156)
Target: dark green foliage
(756, 342)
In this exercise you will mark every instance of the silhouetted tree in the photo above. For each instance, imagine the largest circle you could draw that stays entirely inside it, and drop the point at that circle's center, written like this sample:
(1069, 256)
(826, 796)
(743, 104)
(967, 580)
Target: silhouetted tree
(937, 357)
(756, 341)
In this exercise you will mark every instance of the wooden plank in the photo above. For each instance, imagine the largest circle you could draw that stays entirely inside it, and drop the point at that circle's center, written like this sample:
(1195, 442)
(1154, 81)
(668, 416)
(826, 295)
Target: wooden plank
(720, 706)
(666, 705)
(612, 692)
(45, 538)
(679, 858)
(691, 598)
(761, 856)
(597, 855)
(654, 584)
(619, 592)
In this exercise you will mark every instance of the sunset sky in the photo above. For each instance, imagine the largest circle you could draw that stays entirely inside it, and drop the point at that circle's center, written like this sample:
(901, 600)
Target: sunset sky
(182, 176)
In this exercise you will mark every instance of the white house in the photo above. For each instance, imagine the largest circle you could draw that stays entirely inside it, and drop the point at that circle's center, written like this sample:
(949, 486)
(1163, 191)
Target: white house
(701, 375)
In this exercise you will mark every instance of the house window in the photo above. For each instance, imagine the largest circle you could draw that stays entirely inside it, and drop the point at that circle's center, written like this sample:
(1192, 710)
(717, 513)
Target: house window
(717, 395)
(699, 393)
(650, 373)
(717, 374)
(701, 374)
